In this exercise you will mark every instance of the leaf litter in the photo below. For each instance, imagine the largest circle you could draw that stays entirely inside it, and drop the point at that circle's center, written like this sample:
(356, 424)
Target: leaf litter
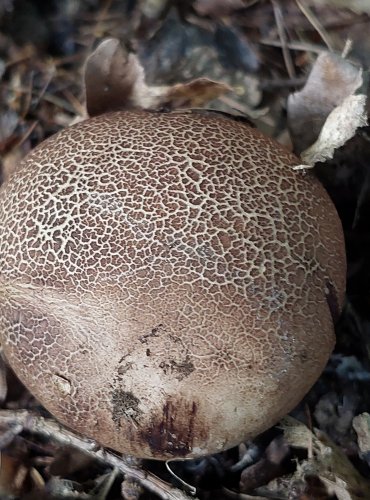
(185, 56)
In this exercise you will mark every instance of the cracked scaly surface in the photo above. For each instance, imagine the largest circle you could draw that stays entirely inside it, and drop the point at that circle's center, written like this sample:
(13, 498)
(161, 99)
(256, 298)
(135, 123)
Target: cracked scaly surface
(165, 280)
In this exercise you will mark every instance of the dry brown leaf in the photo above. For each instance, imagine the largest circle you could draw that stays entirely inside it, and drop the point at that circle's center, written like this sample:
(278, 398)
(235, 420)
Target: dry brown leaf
(13, 474)
(195, 93)
(111, 75)
(115, 80)
(331, 81)
(268, 467)
(328, 462)
(68, 461)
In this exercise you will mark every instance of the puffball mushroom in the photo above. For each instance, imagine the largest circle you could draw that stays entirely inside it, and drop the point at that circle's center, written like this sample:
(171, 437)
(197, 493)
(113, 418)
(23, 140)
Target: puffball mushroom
(168, 282)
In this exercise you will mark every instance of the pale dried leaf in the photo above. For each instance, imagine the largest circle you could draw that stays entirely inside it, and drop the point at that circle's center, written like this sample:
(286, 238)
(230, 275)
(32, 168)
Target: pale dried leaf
(296, 434)
(337, 488)
(339, 127)
(331, 80)
(361, 424)
(358, 6)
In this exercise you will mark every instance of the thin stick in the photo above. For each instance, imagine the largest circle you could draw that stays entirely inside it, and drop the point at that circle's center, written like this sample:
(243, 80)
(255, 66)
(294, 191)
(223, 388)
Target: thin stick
(50, 76)
(315, 23)
(49, 429)
(26, 135)
(347, 48)
(282, 35)
(305, 47)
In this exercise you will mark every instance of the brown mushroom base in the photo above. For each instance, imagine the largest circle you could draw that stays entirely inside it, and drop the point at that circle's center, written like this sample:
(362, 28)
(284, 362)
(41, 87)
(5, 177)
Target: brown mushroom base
(155, 392)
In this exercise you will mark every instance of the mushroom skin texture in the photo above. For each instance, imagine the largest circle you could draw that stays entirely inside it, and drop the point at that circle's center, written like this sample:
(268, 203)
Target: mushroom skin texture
(168, 282)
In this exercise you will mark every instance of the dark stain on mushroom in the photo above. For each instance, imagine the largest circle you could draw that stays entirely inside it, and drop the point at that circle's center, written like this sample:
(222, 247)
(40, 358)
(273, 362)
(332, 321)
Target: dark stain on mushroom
(124, 368)
(125, 405)
(175, 432)
(181, 369)
(155, 331)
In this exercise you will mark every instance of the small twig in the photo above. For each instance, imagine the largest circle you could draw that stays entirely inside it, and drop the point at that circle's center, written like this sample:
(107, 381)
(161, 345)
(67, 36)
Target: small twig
(80, 109)
(303, 46)
(8, 436)
(26, 135)
(243, 108)
(49, 429)
(347, 48)
(242, 496)
(282, 35)
(20, 60)
(60, 103)
(49, 77)
(28, 96)
(106, 485)
(315, 23)
(187, 487)
(310, 426)
(100, 17)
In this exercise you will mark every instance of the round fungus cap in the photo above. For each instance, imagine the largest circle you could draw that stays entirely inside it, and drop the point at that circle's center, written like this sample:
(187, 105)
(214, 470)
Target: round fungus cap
(168, 282)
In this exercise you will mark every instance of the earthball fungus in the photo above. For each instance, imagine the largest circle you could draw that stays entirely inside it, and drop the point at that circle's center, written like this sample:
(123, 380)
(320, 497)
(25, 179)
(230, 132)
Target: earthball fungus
(168, 283)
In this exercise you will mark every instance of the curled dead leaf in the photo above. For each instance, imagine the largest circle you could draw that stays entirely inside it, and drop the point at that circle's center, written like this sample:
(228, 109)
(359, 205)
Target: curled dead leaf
(331, 80)
(327, 112)
(115, 80)
(340, 126)
(111, 75)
